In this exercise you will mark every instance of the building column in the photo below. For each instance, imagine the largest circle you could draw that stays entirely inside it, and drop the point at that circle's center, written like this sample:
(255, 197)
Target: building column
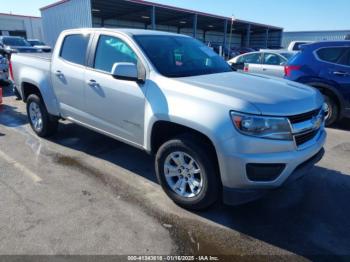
(225, 33)
(267, 38)
(153, 18)
(195, 21)
(247, 37)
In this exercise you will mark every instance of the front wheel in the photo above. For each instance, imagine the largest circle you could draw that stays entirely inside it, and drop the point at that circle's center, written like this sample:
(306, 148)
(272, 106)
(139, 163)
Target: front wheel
(188, 173)
(42, 123)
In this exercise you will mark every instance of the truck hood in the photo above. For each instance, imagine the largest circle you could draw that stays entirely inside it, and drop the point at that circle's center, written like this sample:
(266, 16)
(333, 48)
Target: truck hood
(270, 95)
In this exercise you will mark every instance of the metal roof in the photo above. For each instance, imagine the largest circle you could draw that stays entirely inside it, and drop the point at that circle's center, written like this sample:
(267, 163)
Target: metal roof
(24, 16)
(134, 10)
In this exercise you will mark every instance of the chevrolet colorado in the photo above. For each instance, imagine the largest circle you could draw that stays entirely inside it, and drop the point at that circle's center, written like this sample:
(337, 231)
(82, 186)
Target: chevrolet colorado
(214, 132)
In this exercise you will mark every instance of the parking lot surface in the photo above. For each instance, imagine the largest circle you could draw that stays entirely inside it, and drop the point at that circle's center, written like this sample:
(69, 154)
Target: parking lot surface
(82, 193)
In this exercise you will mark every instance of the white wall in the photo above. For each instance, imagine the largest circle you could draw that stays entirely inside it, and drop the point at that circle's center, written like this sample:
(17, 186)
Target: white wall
(67, 15)
(31, 25)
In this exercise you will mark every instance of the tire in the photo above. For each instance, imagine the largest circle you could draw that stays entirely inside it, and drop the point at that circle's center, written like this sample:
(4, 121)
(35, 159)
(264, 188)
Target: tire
(191, 148)
(46, 124)
(333, 110)
(16, 93)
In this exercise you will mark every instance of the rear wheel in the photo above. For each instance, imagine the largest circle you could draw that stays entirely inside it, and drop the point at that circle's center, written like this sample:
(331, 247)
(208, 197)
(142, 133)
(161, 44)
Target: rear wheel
(42, 123)
(187, 172)
(332, 114)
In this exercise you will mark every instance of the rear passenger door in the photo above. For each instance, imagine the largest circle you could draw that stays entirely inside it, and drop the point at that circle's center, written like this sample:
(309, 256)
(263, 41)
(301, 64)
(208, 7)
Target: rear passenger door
(253, 62)
(67, 74)
(337, 67)
(273, 65)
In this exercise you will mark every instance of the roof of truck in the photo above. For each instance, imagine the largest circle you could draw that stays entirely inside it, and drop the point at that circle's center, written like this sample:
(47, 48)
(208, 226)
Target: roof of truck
(128, 31)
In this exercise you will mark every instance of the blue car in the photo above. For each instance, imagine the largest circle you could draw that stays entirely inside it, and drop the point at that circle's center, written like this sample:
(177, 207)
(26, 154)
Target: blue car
(325, 66)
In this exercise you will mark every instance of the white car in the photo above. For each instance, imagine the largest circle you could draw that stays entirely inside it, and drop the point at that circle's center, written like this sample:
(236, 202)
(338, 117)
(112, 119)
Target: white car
(295, 45)
(267, 62)
(40, 45)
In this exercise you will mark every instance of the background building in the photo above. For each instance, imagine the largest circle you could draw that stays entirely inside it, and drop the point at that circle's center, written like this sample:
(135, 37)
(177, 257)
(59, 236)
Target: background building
(20, 25)
(215, 29)
(314, 36)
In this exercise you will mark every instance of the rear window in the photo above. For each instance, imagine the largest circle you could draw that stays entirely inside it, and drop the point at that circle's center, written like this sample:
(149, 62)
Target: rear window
(74, 48)
(250, 59)
(298, 45)
(287, 55)
(331, 54)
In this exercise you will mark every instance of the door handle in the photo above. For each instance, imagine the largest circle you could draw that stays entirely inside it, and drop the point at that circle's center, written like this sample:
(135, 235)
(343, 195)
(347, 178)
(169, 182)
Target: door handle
(59, 73)
(93, 83)
(339, 73)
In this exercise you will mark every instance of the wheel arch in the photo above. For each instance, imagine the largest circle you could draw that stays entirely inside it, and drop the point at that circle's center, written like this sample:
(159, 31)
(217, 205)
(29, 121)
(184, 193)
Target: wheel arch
(164, 130)
(330, 90)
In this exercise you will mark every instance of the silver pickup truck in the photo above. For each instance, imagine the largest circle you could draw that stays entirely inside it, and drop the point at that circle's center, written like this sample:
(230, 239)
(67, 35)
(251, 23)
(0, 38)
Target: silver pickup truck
(214, 132)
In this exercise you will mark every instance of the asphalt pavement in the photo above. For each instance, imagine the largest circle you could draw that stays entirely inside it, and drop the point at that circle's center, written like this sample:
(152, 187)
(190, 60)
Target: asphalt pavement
(82, 193)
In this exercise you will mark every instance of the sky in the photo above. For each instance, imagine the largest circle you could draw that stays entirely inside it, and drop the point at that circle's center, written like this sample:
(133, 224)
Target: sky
(292, 15)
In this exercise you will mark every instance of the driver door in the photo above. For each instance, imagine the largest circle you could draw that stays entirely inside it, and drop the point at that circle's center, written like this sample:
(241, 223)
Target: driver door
(114, 106)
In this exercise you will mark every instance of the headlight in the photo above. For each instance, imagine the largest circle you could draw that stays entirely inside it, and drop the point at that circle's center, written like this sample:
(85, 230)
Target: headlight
(264, 127)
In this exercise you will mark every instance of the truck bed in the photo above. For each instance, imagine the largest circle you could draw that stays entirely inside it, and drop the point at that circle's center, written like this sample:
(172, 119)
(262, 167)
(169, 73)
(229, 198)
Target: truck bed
(43, 56)
(34, 64)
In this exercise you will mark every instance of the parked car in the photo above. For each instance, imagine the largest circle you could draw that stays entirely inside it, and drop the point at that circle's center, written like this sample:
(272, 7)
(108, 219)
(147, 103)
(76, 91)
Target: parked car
(242, 50)
(296, 45)
(267, 62)
(4, 69)
(15, 44)
(40, 45)
(325, 66)
(212, 130)
(225, 50)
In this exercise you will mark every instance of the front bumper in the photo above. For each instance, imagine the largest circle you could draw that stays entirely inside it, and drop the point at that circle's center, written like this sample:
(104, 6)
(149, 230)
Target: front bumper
(233, 166)
(232, 196)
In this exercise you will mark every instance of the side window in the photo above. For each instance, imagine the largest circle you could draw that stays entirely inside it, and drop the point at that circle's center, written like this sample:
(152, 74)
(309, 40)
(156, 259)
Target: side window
(74, 48)
(253, 58)
(345, 60)
(112, 50)
(331, 54)
(272, 59)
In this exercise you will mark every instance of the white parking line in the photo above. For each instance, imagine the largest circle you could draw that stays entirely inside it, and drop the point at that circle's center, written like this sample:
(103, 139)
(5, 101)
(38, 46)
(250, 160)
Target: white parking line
(20, 167)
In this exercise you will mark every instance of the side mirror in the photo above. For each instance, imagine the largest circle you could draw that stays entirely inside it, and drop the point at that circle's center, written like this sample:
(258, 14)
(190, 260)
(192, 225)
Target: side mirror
(125, 71)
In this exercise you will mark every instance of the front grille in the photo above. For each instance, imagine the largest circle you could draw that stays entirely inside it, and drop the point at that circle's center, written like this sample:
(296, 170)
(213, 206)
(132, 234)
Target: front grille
(303, 138)
(303, 117)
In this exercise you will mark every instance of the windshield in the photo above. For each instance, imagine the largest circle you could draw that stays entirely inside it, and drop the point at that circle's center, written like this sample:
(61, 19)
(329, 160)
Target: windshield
(15, 41)
(179, 56)
(35, 42)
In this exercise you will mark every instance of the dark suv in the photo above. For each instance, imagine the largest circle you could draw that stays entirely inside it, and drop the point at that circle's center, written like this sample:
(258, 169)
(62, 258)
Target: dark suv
(325, 66)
